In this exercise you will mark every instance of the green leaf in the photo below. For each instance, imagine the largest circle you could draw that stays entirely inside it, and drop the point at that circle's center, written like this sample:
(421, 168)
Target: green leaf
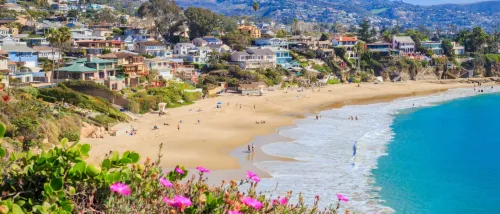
(116, 176)
(2, 130)
(115, 156)
(72, 190)
(48, 190)
(68, 207)
(134, 157)
(106, 164)
(16, 209)
(2, 152)
(56, 184)
(93, 170)
(85, 149)
(64, 142)
(125, 160)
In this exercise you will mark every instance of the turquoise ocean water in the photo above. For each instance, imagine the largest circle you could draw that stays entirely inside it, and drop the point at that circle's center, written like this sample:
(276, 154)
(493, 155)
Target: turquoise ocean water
(428, 154)
(444, 158)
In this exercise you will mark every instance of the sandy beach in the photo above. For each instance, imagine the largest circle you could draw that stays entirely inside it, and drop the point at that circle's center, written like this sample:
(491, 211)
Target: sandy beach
(221, 131)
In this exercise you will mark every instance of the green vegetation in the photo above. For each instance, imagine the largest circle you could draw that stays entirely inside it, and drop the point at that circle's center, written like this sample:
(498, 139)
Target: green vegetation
(334, 81)
(143, 100)
(60, 180)
(30, 121)
(63, 93)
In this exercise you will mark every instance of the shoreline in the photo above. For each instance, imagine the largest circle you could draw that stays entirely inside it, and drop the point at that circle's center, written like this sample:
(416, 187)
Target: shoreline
(225, 133)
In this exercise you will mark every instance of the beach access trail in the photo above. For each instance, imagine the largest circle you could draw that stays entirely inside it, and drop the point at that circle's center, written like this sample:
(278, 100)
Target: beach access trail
(220, 131)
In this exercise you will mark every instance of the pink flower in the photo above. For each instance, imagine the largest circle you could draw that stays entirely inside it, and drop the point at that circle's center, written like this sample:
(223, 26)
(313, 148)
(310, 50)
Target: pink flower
(178, 201)
(179, 170)
(122, 189)
(233, 212)
(251, 202)
(250, 174)
(342, 197)
(253, 176)
(166, 183)
(276, 202)
(202, 169)
(283, 201)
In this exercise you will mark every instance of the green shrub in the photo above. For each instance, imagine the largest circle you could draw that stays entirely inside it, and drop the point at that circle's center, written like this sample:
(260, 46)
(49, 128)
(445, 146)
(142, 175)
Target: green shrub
(334, 81)
(134, 107)
(71, 136)
(59, 180)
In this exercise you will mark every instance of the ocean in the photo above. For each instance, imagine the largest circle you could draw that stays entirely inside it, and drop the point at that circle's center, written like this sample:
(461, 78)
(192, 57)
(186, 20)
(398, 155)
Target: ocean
(428, 154)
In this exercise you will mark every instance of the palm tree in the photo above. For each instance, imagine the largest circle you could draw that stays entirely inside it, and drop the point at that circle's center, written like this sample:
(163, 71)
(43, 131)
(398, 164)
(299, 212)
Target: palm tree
(53, 38)
(295, 25)
(255, 8)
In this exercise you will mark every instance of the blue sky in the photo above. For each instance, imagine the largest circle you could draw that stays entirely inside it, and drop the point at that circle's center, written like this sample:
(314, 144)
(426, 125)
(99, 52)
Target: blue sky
(432, 2)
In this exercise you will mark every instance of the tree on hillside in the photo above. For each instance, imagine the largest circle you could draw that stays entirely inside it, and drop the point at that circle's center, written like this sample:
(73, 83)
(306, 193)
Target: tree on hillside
(106, 15)
(416, 36)
(255, 7)
(281, 33)
(202, 22)
(324, 37)
(58, 38)
(167, 15)
(236, 40)
(366, 32)
(478, 38)
(447, 48)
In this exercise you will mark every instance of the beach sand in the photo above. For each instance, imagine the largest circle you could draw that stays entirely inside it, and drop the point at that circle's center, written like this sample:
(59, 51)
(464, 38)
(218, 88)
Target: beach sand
(219, 141)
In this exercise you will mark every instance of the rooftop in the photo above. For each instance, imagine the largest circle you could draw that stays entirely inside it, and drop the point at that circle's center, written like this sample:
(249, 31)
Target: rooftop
(45, 48)
(77, 67)
(16, 48)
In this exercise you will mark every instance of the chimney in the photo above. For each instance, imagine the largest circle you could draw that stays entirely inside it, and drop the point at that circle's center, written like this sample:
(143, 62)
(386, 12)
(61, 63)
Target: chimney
(89, 58)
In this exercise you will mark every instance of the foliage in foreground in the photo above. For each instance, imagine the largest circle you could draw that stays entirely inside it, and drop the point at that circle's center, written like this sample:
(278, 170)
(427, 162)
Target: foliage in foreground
(59, 180)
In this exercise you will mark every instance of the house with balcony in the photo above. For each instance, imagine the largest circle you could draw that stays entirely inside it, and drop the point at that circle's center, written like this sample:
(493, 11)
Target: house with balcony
(36, 41)
(251, 31)
(282, 54)
(254, 58)
(4, 72)
(182, 49)
(403, 44)
(132, 64)
(47, 52)
(101, 71)
(140, 34)
(153, 48)
(435, 47)
(460, 50)
(347, 42)
(273, 42)
(199, 42)
(102, 32)
(21, 53)
(9, 32)
(173, 68)
(198, 55)
(127, 39)
(212, 40)
(97, 47)
(76, 37)
(381, 48)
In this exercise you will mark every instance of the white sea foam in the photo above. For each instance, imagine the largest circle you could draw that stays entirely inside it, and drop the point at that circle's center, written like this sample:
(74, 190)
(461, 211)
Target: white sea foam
(325, 151)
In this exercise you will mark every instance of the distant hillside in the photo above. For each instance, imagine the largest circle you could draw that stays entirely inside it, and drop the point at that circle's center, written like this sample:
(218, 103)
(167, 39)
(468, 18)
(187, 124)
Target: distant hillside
(480, 7)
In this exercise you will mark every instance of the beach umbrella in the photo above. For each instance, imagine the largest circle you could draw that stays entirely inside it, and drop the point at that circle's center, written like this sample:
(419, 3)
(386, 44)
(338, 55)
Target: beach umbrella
(219, 103)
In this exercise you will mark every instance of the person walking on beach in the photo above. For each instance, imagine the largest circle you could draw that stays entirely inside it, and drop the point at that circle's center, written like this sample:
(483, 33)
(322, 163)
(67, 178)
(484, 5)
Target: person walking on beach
(317, 117)
(253, 147)
(198, 120)
(178, 127)
(356, 117)
(249, 148)
(240, 106)
(254, 106)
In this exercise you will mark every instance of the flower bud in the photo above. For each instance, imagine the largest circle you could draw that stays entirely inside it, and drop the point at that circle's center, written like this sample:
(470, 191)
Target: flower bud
(4, 209)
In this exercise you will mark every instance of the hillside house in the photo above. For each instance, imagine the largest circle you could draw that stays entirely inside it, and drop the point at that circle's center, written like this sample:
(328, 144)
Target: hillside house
(21, 53)
(47, 52)
(97, 47)
(435, 47)
(254, 58)
(182, 49)
(347, 42)
(382, 48)
(153, 48)
(403, 44)
(250, 31)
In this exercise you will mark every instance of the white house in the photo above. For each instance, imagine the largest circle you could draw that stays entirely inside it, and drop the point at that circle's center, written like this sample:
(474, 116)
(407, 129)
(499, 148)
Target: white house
(182, 49)
(347, 42)
(48, 53)
(403, 43)
(152, 48)
(254, 58)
